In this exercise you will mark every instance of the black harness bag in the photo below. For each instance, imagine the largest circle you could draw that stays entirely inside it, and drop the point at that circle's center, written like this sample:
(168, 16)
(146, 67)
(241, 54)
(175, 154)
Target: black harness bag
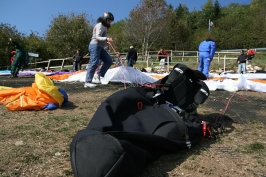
(135, 126)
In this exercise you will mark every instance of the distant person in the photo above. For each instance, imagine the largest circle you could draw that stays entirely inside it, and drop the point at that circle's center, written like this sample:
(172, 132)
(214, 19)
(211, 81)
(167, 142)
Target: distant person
(27, 60)
(97, 50)
(19, 60)
(207, 50)
(161, 54)
(77, 61)
(132, 56)
(241, 60)
(251, 54)
(13, 56)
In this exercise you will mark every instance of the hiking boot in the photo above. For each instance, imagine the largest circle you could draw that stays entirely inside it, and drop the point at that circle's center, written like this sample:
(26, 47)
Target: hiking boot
(90, 85)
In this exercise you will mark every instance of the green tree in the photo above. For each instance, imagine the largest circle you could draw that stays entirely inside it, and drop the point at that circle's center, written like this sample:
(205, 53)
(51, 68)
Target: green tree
(68, 33)
(234, 27)
(36, 44)
(257, 15)
(146, 23)
(210, 11)
(7, 31)
(117, 33)
(181, 28)
(217, 10)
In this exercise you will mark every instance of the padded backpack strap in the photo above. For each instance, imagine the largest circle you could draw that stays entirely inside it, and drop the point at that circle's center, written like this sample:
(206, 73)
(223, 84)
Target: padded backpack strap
(200, 97)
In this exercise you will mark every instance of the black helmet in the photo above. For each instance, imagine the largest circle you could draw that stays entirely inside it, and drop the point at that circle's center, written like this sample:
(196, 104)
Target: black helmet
(108, 15)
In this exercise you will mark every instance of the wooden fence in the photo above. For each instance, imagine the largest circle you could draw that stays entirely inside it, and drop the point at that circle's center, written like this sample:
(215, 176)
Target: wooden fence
(149, 60)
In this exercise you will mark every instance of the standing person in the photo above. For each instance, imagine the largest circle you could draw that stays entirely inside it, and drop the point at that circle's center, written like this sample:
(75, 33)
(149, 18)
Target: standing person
(241, 60)
(96, 48)
(161, 54)
(207, 50)
(251, 54)
(27, 60)
(132, 56)
(77, 61)
(13, 56)
(19, 60)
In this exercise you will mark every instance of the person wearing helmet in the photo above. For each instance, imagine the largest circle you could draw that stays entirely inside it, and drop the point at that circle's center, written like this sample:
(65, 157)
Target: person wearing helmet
(97, 50)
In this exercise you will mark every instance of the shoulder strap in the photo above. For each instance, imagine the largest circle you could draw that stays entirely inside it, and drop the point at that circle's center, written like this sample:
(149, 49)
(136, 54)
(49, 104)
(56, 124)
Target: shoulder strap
(200, 97)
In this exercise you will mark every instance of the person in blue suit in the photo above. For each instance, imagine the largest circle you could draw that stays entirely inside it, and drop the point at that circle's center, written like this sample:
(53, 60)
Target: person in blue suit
(207, 50)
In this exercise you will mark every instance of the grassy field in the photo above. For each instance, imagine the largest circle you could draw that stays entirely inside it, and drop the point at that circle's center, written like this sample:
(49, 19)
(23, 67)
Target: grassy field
(36, 143)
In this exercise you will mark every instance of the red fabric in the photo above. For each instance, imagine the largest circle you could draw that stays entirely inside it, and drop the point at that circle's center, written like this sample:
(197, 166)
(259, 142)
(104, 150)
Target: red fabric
(251, 52)
(162, 53)
(13, 57)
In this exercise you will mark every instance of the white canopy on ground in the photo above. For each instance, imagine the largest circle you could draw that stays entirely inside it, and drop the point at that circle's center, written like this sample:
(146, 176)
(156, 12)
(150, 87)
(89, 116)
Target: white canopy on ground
(121, 74)
(236, 82)
(236, 76)
(127, 75)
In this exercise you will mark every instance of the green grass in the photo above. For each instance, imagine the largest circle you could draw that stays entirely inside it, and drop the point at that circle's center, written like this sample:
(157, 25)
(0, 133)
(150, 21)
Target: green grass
(254, 147)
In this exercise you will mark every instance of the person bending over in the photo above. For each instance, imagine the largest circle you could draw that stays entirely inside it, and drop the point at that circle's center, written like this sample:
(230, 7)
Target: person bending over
(207, 50)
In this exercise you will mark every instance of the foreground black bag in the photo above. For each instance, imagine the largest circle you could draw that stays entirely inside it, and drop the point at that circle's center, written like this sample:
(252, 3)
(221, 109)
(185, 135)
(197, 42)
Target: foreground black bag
(134, 126)
(181, 86)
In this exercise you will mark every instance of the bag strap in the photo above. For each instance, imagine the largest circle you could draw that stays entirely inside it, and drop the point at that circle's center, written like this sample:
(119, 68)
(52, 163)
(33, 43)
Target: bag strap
(181, 113)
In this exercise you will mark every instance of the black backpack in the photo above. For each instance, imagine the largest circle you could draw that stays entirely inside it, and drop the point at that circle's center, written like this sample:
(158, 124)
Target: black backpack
(137, 125)
(183, 88)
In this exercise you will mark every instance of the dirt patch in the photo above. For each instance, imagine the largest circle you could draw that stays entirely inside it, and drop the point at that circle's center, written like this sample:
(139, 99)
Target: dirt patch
(36, 143)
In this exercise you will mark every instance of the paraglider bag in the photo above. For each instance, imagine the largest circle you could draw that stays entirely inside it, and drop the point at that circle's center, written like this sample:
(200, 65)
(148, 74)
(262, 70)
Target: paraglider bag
(181, 86)
(122, 153)
(122, 137)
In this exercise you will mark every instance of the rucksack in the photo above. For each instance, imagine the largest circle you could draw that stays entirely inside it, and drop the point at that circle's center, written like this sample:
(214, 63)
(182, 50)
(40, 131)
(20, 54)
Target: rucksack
(137, 125)
(183, 87)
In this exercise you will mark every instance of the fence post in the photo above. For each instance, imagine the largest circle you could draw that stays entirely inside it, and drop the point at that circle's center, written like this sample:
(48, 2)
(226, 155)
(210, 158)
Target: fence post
(168, 63)
(224, 62)
(62, 66)
(147, 61)
(48, 65)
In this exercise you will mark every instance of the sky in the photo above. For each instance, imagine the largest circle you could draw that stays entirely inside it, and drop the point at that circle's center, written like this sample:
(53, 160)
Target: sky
(36, 15)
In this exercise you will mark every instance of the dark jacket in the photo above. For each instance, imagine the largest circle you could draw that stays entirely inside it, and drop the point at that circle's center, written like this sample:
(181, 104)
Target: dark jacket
(242, 58)
(77, 58)
(132, 54)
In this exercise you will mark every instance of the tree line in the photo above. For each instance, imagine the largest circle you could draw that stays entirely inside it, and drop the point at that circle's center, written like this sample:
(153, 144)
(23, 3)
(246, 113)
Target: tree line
(151, 25)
